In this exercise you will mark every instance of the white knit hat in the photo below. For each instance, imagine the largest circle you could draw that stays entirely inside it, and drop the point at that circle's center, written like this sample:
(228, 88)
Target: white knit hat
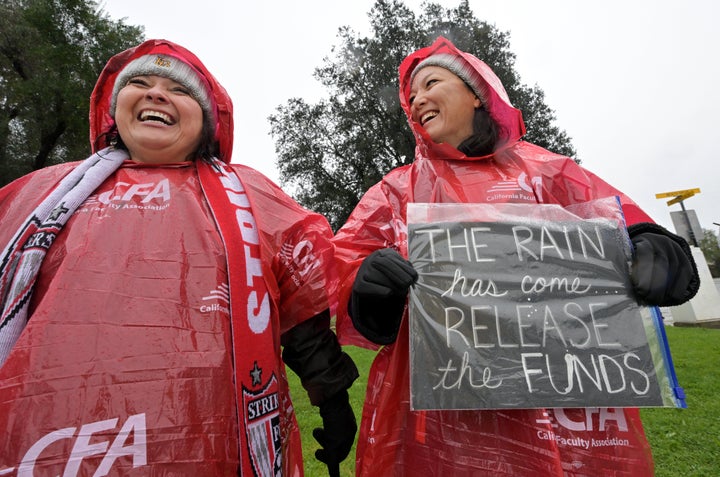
(167, 67)
(461, 68)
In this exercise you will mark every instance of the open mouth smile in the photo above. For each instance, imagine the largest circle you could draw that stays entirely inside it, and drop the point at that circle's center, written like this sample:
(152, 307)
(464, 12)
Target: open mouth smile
(150, 115)
(427, 117)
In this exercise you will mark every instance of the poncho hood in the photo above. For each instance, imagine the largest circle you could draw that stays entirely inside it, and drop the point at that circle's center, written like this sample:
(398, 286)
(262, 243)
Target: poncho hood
(509, 119)
(101, 122)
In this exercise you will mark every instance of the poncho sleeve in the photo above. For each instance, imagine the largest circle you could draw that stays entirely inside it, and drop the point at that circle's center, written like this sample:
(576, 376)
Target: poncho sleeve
(296, 246)
(378, 221)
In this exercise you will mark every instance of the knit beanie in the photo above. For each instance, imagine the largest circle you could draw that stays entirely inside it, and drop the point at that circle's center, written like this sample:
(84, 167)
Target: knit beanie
(461, 68)
(171, 68)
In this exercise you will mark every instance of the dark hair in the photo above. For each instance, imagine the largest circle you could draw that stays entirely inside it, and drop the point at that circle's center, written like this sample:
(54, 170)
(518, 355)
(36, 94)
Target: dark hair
(207, 149)
(485, 135)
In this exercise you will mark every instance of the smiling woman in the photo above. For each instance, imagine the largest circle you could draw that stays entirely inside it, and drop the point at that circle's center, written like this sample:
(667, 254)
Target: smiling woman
(158, 120)
(146, 301)
(444, 105)
(470, 150)
(160, 104)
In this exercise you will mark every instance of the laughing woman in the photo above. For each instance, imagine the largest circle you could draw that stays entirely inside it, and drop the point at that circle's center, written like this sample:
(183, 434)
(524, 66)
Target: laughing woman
(151, 293)
(468, 141)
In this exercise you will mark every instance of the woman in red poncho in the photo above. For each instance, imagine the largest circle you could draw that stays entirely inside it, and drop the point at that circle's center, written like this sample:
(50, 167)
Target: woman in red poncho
(469, 149)
(147, 293)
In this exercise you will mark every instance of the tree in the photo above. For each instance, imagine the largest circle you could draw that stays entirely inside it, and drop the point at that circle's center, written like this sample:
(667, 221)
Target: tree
(711, 249)
(331, 152)
(51, 53)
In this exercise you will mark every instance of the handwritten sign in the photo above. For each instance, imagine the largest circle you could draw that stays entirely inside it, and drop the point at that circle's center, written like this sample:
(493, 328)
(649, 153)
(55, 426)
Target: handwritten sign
(526, 313)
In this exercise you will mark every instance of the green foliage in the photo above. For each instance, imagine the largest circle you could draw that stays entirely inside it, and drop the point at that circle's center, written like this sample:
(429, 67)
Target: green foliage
(51, 53)
(711, 249)
(684, 441)
(331, 152)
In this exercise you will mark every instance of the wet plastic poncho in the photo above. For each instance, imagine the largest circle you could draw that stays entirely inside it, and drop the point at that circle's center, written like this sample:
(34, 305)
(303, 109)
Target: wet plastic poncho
(135, 359)
(394, 440)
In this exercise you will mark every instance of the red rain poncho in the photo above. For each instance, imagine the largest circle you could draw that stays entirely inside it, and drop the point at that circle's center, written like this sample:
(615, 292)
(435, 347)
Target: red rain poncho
(127, 365)
(393, 439)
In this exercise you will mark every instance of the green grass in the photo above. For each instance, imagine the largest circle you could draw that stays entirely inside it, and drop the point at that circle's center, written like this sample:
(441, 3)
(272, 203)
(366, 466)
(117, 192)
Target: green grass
(685, 442)
(309, 417)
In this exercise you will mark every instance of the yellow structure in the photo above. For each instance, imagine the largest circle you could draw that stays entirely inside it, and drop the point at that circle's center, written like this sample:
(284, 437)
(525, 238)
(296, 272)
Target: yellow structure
(678, 195)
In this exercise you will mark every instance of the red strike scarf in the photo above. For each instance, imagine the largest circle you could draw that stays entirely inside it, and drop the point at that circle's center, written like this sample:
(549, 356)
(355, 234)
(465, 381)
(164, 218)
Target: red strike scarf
(254, 358)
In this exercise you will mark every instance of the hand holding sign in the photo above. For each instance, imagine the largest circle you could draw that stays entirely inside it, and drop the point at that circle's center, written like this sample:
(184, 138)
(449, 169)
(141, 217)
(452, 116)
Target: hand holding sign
(384, 273)
(663, 271)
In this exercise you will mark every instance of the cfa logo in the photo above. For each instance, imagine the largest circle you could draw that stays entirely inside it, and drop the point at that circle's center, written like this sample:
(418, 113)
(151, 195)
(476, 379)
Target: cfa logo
(130, 441)
(586, 419)
(124, 192)
(522, 187)
(299, 260)
(303, 257)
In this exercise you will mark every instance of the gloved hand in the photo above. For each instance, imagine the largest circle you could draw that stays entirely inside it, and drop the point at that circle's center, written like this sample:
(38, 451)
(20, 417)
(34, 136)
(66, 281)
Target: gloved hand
(378, 295)
(338, 432)
(663, 270)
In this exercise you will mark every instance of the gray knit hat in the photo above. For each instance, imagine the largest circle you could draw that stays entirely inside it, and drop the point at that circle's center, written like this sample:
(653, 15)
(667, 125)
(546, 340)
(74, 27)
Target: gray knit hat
(460, 68)
(167, 67)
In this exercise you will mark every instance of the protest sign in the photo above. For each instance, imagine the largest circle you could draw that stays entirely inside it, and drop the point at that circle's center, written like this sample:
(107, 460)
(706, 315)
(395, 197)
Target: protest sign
(528, 306)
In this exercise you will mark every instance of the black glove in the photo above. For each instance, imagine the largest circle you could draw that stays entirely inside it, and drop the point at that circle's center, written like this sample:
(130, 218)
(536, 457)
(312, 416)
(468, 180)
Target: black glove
(663, 270)
(312, 351)
(378, 295)
(338, 432)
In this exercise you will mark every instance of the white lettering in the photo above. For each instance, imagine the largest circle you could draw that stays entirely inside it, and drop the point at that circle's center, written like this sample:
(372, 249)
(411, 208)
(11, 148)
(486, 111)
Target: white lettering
(258, 316)
(27, 465)
(258, 308)
(82, 448)
(136, 426)
(125, 192)
(604, 414)
(161, 191)
(303, 257)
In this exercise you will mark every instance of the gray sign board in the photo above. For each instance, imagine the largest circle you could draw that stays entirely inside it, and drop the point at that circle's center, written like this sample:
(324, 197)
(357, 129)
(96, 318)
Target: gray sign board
(516, 314)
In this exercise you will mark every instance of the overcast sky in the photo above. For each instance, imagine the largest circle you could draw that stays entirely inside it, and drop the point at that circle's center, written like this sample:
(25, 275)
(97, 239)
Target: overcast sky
(635, 84)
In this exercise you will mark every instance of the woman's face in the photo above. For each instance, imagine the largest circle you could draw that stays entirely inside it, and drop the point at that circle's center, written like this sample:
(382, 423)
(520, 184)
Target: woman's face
(443, 105)
(158, 120)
